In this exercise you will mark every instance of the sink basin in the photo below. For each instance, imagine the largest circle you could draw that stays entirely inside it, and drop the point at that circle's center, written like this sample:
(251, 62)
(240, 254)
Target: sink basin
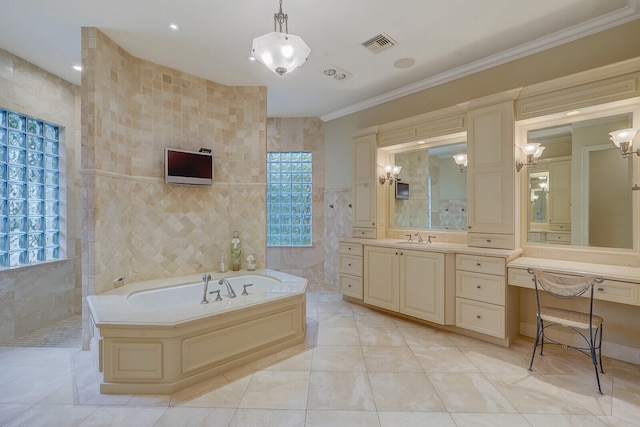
(413, 242)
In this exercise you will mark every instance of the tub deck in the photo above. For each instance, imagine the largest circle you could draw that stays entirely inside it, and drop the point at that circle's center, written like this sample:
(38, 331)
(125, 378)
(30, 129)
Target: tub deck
(161, 350)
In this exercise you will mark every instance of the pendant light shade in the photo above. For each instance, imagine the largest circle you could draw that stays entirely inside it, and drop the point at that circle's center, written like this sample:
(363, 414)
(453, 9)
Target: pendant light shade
(280, 52)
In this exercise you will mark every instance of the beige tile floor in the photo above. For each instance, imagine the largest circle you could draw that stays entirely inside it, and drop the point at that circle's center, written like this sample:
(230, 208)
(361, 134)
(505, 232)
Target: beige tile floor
(358, 368)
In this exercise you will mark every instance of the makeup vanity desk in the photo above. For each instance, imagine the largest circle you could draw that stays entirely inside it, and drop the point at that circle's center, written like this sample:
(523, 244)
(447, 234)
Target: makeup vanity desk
(621, 284)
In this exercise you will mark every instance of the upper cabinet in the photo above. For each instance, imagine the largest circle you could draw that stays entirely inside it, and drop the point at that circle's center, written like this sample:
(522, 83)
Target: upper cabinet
(490, 177)
(364, 186)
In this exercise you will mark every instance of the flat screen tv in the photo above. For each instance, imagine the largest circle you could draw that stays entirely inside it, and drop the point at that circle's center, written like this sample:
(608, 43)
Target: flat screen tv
(187, 167)
(402, 190)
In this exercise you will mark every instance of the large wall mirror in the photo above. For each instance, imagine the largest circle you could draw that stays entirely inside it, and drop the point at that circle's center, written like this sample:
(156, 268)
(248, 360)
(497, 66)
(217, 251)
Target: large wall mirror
(432, 189)
(579, 192)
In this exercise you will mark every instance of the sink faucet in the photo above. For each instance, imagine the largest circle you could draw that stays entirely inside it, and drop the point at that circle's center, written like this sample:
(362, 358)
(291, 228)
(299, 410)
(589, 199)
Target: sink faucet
(429, 239)
(409, 236)
(230, 291)
(419, 236)
(205, 279)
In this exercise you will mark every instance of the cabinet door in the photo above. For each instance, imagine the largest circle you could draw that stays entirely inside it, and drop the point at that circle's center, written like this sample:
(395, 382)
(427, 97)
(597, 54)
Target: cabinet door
(381, 277)
(422, 285)
(364, 181)
(491, 169)
(560, 192)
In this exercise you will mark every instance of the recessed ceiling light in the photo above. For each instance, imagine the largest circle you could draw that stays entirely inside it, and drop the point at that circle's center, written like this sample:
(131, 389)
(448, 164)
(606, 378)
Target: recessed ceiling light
(77, 67)
(252, 58)
(330, 71)
(422, 141)
(404, 63)
(572, 113)
(340, 76)
(174, 26)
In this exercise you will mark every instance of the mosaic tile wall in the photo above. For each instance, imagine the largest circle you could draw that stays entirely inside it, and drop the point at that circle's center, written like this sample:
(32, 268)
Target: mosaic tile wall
(134, 225)
(35, 296)
(302, 134)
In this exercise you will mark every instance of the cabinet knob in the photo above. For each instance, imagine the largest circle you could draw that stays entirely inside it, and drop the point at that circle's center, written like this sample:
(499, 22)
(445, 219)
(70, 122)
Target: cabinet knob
(600, 289)
(478, 286)
(349, 285)
(349, 264)
(349, 249)
(478, 316)
(396, 253)
(488, 240)
(478, 264)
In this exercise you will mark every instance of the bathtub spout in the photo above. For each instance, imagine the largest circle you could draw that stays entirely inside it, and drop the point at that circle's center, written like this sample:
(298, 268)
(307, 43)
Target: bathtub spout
(205, 279)
(230, 291)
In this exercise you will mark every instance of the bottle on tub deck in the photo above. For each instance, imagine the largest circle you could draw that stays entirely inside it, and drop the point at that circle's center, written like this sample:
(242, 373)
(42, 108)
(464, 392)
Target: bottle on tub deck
(251, 262)
(236, 251)
(223, 263)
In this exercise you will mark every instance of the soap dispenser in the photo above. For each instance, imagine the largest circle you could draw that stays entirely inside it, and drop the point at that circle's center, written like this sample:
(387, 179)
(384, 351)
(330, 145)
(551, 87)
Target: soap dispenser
(223, 263)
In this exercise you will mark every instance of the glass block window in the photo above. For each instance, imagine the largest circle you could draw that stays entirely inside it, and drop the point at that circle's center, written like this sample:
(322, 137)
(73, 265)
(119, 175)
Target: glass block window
(289, 198)
(29, 190)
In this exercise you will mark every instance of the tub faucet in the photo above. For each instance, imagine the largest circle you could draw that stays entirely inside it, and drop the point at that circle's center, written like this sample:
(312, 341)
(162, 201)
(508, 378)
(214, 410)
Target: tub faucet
(230, 291)
(205, 279)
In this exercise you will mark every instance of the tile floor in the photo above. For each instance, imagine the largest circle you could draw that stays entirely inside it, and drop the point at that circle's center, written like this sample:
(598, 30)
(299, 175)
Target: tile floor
(358, 368)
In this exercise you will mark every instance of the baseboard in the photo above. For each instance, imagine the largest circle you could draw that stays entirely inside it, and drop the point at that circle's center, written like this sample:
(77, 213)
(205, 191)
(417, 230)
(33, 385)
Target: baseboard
(609, 349)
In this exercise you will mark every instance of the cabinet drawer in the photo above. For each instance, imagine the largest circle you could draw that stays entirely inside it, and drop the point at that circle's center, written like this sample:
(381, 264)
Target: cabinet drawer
(350, 264)
(480, 317)
(351, 286)
(480, 264)
(365, 233)
(350, 249)
(480, 287)
(614, 291)
(496, 241)
(564, 238)
(520, 277)
(559, 227)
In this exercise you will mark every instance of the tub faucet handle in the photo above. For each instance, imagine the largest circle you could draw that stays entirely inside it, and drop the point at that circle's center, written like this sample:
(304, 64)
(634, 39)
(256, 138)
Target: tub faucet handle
(244, 289)
(217, 292)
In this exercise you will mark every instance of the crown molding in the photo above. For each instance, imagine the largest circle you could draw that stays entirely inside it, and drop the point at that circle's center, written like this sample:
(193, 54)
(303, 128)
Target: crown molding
(613, 19)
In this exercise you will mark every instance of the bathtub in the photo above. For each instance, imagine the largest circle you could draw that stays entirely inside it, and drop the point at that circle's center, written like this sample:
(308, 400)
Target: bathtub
(156, 337)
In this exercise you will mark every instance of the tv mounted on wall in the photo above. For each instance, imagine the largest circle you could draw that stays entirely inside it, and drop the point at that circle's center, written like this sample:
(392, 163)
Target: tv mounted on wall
(188, 167)
(402, 190)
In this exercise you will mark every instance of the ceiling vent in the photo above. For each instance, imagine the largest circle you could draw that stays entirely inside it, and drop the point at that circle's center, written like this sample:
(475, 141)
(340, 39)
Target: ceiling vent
(379, 43)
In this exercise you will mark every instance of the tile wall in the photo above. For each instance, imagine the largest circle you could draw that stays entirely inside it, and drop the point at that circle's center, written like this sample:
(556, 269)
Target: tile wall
(134, 225)
(35, 296)
(302, 134)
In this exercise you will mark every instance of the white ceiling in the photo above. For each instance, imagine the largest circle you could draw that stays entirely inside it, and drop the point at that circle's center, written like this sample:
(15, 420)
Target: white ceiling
(446, 38)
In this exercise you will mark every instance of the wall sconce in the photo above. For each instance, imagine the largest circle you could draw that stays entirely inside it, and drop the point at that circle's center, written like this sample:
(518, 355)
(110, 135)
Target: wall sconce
(392, 174)
(533, 151)
(623, 139)
(461, 161)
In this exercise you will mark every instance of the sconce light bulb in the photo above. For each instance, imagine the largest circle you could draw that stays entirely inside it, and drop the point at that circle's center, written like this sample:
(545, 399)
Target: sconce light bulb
(623, 135)
(531, 148)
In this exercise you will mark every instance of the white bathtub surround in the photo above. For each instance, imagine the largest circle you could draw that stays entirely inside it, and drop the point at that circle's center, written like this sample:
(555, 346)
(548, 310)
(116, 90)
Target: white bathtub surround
(156, 337)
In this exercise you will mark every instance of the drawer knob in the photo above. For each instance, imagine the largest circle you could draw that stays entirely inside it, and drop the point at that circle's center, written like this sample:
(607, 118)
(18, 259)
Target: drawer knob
(349, 248)
(349, 285)
(477, 264)
(600, 289)
(478, 286)
(488, 240)
(478, 316)
(349, 264)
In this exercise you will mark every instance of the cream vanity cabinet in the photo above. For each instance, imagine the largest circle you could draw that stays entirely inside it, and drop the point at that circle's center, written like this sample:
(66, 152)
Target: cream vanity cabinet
(491, 177)
(364, 187)
(481, 294)
(350, 269)
(410, 282)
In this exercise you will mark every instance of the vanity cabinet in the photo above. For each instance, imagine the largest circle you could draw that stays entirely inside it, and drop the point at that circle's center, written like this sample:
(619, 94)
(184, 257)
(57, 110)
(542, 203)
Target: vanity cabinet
(481, 294)
(407, 281)
(350, 269)
(364, 187)
(491, 177)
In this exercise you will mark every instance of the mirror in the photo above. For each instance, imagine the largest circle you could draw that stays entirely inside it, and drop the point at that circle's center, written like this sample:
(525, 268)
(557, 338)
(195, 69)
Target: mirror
(433, 191)
(587, 198)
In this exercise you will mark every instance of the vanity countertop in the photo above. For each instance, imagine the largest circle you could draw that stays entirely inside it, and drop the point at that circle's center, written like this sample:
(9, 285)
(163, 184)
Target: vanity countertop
(436, 247)
(608, 271)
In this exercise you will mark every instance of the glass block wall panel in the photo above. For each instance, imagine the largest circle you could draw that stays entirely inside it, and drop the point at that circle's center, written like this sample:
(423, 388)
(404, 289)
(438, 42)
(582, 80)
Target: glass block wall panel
(289, 198)
(29, 190)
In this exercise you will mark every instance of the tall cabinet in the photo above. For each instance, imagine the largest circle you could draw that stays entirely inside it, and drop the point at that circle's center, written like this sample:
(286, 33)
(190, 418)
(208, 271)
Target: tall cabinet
(366, 216)
(491, 177)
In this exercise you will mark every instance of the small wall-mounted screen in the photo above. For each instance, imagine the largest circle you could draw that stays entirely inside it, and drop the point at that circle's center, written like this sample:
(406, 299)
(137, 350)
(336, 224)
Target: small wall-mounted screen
(188, 167)
(402, 190)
